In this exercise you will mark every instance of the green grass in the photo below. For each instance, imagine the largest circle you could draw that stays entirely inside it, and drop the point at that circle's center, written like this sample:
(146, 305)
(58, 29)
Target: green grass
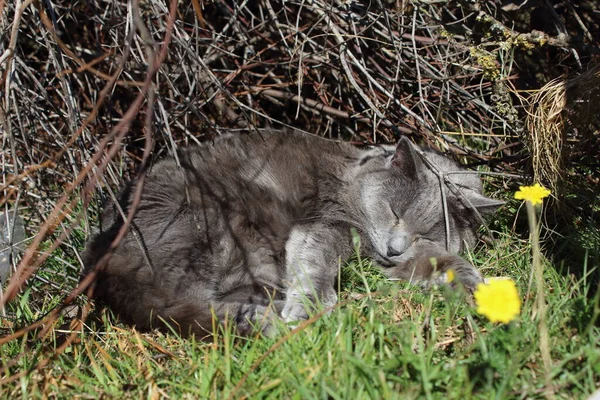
(386, 340)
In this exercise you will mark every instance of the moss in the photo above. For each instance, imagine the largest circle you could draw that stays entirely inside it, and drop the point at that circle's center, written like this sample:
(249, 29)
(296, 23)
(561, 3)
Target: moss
(488, 63)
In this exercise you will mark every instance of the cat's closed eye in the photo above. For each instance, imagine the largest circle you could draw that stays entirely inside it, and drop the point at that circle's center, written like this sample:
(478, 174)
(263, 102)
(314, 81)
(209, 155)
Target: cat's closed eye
(395, 214)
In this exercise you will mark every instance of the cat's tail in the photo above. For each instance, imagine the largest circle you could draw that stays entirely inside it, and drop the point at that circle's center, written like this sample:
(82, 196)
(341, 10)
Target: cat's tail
(145, 308)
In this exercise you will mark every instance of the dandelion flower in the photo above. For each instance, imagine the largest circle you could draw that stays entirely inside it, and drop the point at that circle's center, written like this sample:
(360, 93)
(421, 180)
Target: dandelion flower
(534, 193)
(498, 300)
(450, 276)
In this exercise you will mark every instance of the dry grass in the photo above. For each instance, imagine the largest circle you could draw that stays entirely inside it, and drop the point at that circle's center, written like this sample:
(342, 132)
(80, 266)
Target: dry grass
(562, 110)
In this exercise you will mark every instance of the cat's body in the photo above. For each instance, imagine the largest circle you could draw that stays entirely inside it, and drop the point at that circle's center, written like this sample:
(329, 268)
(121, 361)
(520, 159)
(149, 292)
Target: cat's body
(251, 227)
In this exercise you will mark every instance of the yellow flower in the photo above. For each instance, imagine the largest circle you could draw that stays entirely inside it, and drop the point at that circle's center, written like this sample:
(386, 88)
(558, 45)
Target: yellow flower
(534, 193)
(450, 276)
(498, 300)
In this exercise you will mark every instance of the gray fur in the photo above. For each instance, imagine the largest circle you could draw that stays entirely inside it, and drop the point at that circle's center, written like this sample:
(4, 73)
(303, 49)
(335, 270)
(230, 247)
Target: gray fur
(251, 226)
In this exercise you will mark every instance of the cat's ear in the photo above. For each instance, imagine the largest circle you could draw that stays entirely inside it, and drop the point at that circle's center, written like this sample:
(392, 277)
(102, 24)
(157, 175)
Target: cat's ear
(407, 159)
(484, 205)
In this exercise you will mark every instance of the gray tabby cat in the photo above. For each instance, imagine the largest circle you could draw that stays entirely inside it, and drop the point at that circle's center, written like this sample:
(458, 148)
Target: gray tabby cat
(253, 227)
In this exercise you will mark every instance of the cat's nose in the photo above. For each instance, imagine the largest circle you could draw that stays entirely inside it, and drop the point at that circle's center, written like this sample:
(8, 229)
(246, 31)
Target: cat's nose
(391, 252)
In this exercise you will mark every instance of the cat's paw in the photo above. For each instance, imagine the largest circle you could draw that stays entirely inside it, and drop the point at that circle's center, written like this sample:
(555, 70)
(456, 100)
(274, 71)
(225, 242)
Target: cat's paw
(470, 280)
(295, 308)
(460, 273)
(264, 320)
(293, 312)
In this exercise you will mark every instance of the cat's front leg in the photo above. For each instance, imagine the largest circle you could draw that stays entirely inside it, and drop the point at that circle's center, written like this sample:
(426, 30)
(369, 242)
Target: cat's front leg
(313, 254)
(428, 262)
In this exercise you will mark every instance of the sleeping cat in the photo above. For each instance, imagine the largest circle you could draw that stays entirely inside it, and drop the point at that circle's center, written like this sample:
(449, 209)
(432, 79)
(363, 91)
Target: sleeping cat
(252, 227)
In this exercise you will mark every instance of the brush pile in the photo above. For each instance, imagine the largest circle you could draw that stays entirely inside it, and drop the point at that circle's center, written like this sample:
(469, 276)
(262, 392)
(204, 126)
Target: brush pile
(91, 90)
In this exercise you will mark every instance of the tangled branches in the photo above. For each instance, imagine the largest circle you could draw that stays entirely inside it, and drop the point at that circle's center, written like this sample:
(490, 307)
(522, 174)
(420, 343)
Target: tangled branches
(90, 89)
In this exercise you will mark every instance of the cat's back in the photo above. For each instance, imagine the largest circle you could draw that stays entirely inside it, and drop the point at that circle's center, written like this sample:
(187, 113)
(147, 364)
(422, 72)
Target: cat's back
(265, 175)
(284, 150)
(283, 164)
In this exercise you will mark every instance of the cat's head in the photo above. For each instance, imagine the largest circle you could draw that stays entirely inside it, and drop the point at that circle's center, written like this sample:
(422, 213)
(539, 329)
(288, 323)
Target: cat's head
(402, 202)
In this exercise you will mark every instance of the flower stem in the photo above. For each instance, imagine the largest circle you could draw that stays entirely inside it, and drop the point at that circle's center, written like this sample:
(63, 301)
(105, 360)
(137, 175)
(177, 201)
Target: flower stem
(540, 303)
